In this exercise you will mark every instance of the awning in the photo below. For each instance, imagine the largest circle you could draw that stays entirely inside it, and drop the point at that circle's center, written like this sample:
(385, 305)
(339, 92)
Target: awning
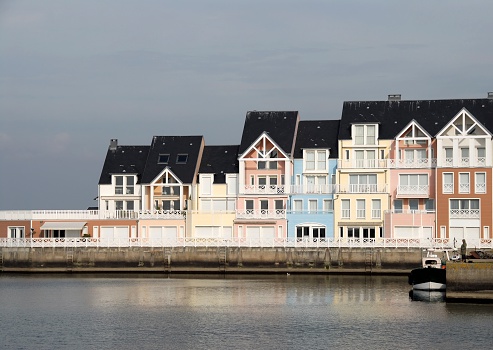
(63, 225)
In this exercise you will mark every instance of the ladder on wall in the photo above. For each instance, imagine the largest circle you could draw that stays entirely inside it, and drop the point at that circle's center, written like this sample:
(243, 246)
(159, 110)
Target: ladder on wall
(1, 259)
(167, 258)
(222, 257)
(368, 259)
(70, 258)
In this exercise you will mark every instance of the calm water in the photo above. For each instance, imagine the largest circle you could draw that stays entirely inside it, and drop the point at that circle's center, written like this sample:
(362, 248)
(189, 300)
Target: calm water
(256, 312)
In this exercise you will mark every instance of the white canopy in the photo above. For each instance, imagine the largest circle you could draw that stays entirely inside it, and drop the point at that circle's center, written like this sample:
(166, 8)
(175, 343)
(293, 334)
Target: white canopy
(63, 225)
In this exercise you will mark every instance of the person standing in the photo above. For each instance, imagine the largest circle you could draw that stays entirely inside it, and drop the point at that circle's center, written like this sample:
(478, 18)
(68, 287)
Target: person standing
(463, 249)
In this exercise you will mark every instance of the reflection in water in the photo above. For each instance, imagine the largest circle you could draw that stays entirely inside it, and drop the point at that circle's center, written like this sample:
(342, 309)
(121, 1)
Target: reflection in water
(258, 312)
(424, 295)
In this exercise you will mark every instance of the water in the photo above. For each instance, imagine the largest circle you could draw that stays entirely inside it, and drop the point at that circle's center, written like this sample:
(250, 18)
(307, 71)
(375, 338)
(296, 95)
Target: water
(254, 312)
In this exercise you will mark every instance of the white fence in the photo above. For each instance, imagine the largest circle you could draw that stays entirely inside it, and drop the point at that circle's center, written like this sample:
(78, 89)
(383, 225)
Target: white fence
(242, 242)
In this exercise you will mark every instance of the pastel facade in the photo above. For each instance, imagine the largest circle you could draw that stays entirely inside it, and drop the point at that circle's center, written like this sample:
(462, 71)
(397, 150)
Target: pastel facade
(395, 169)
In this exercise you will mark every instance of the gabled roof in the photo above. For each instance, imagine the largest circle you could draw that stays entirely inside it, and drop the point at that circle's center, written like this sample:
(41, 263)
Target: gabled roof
(261, 142)
(173, 146)
(281, 127)
(317, 134)
(124, 160)
(219, 160)
(393, 116)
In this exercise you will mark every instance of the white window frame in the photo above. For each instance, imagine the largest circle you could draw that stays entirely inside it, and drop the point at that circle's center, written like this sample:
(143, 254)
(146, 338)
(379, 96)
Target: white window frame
(319, 163)
(480, 187)
(345, 208)
(362, 134)
(464, 182)
(360, 208)
(376, 208)
(447, 187)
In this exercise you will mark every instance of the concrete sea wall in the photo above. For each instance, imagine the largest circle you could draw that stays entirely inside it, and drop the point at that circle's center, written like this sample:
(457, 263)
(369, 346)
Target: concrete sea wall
(196, 258)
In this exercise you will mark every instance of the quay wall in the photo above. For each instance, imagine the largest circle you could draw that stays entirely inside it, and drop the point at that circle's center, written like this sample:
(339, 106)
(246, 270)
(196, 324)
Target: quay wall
(195, 258)
(464, 277)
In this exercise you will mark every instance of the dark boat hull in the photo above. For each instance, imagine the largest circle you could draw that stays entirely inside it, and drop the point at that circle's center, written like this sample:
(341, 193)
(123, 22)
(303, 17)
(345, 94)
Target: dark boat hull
(428, 279)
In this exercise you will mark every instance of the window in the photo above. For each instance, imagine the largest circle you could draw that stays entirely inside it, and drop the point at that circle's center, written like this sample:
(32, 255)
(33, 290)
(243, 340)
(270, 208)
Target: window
(16, 232)
(365, 158)
(463, 182)
(328, 205)
(181, 158)
(118, 184)
(315, 160)
(309, 232)
(163, 159)
(448, 183)
(232, 184)
(124, 184)
(464, 208)
(413, 184)
(449, 156)
(398, 206)
(315, 184)
(364, 134)
(481, 152)
(312, 205)
(279, 204)
(264, 206)
(345, 208)
(298, 205)
(249, 206)
(360, 209)
(363, 183)
(118, 205)
(480, 183)
(376, 207)
(413, 204)
(430, 204)
(130, 205)
(206, 181)
(464, 155)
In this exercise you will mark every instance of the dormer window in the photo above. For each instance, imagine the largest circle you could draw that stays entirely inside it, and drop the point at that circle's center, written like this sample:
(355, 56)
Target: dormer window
(181, 159)
(365, 134)
(163, 159)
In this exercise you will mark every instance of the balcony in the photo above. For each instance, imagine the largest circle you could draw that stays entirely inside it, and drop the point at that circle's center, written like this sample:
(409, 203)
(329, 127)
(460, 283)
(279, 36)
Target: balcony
(264, 189)
(464, 162)
(413, 191)
(362, 188)
(260, 214)
(464, 213)
(316, 189)
(91, 214)
(420, 163)
(362, 164)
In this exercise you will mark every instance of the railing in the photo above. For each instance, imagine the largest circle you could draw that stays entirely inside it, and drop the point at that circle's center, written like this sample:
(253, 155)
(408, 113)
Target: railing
(90, 214)
(413, 190)
(243, 242)
(325, 189)
(362, 163)
(410, 211)
(264, 189)
(366, 188)
(412, 163)
(260, 214)
(464, 213)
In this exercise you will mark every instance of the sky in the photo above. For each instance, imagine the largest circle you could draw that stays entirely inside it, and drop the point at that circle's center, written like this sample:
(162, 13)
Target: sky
(76, 73)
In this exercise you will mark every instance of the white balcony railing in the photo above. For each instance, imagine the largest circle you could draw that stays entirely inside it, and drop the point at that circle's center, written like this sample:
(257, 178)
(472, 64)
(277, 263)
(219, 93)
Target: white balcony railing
(264, 189)
(413, 190)
(90, 214)
(442, 243)
(362, 163)
(464, 213)
(412, 163)
(366, 188)
(260, 214)
(322, 189)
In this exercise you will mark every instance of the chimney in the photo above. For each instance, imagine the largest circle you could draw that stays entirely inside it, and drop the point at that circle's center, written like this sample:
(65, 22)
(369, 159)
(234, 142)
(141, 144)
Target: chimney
(395, 97)
(113, 144)
(490, 95)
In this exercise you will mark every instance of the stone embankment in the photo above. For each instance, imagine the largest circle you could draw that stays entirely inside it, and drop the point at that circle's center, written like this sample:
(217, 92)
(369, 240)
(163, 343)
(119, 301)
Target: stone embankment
(211, 260)
(470, 282)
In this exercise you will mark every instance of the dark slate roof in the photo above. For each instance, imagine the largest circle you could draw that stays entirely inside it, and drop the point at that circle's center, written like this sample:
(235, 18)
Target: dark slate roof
(173, 145)
(219, 160)
(281, 127)
(393, 116)
(124, 159)
(317, 134)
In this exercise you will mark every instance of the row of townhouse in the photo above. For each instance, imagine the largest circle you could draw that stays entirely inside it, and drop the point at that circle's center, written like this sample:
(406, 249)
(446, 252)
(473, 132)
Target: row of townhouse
(395, 169)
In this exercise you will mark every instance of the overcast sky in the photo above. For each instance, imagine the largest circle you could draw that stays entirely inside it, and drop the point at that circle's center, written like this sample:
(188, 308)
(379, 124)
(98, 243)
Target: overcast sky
(74, 74)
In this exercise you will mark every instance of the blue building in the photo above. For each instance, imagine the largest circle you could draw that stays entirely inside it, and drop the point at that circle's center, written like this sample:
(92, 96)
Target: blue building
(310, 215)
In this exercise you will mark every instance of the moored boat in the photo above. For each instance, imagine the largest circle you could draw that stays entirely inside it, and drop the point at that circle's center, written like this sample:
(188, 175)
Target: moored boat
(431, 275)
